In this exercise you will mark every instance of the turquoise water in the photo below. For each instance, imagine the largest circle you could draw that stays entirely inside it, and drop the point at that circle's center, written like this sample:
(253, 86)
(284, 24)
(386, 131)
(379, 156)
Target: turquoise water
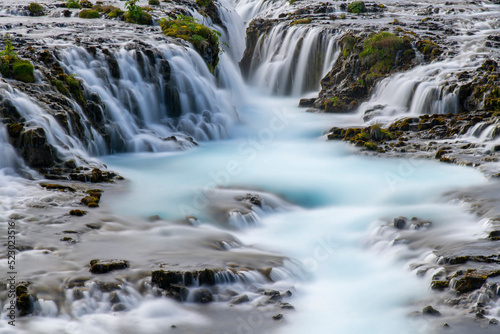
(352, 278)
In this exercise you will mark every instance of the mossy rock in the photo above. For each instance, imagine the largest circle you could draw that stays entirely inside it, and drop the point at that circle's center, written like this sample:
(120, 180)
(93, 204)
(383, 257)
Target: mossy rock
(35, 9)
(106, 266)
(301, 21)
(86, 4)
(370, 146)
(24, 300)
(379, 53)
(90, 201)
(204, 39)
(23, 71)
(140, 18)
(356, 7)
(154, 2)
(88, 14)
(57, 187)
(78, 213)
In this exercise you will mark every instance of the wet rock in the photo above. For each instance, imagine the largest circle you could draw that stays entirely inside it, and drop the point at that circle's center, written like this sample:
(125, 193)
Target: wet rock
(106, 266)
(78, 293)
(278, 316)
(250, 198)
(78, 213)
(287, 306)
(24, 300)
(203, 296)
(494, 235)
(118, 307)
(493, 321)
(431, 311)
(240, 300)
(400, 222)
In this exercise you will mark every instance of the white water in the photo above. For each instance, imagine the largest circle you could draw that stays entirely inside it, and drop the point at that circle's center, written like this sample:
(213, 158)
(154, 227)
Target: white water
(355, 285)
(351, 278)
(292, 60)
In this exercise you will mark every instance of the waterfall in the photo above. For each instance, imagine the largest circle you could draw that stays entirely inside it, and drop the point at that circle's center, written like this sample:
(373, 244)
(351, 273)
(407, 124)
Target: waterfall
(9, 160)
(291, 60)
(142, 107)
(250, 9)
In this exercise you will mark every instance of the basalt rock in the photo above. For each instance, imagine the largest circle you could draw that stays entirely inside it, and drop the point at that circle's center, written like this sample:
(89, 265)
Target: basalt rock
(106, 266)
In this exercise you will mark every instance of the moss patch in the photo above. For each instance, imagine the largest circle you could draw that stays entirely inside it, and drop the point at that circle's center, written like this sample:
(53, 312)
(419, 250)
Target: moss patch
(379, 52)
(22, 70)
(301, 21)
(88, 14)
(35, 9)
(356, 7)
(204, 39)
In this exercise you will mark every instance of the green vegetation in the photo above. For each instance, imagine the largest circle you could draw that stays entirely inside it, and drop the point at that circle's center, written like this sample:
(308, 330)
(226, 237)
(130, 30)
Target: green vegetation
(154, 2)
(192, 31)
(88, 14)
(23, 71)
(204, 3)
(72, 4)
(136, 14)
(86, 4)
(35, 9)
(356, 7)
(348, 44)
(301, 21)
(379, 52)
(112, 11)
(11, 66)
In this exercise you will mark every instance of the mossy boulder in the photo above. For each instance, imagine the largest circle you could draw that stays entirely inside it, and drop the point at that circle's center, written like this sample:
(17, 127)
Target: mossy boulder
(35, 9)
(106, 266)
(356, 7)
(24, 299)
(208, 8)
(88, 14)
(204, 39)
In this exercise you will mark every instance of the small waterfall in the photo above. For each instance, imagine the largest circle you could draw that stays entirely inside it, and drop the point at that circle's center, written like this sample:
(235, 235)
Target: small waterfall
(9, 161)
(250, 9)
(69, 146)
(144, 108)
(425, 89)
(243, 220)
(291, 60)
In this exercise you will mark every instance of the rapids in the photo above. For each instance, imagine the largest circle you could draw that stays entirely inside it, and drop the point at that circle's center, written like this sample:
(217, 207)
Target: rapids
(190, 143)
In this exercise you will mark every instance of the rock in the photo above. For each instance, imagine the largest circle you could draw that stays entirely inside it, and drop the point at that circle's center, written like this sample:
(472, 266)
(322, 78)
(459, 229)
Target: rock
(24, 300)
(493, 321)
(278, 316)
(78, 213)
(494, 235)
(106, 266)
(306, 103)
(287, 306)
(203, 296)
(400, 222)
(118, 307)
(240, 300)
(431, 311)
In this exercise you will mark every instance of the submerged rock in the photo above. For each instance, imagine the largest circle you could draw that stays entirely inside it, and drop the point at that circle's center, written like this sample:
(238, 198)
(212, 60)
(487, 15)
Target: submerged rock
(106, 266)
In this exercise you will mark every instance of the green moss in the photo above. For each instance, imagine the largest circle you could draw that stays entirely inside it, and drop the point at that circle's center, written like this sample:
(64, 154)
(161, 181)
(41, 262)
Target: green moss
(61, 87)
(361, 136)
(154, 2)
(23, 71)
(379, 52)
(86, 4)
(88, 14)
(301, 21)
(35, 9)
(371, 146)
(72, 4)
(191, 30)
(204, 3)
(348, 44)
(356, 7)
(136, 14)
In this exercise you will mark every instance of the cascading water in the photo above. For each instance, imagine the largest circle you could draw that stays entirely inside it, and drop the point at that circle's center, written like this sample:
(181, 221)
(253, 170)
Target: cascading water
(292, 60)
(348, 276)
